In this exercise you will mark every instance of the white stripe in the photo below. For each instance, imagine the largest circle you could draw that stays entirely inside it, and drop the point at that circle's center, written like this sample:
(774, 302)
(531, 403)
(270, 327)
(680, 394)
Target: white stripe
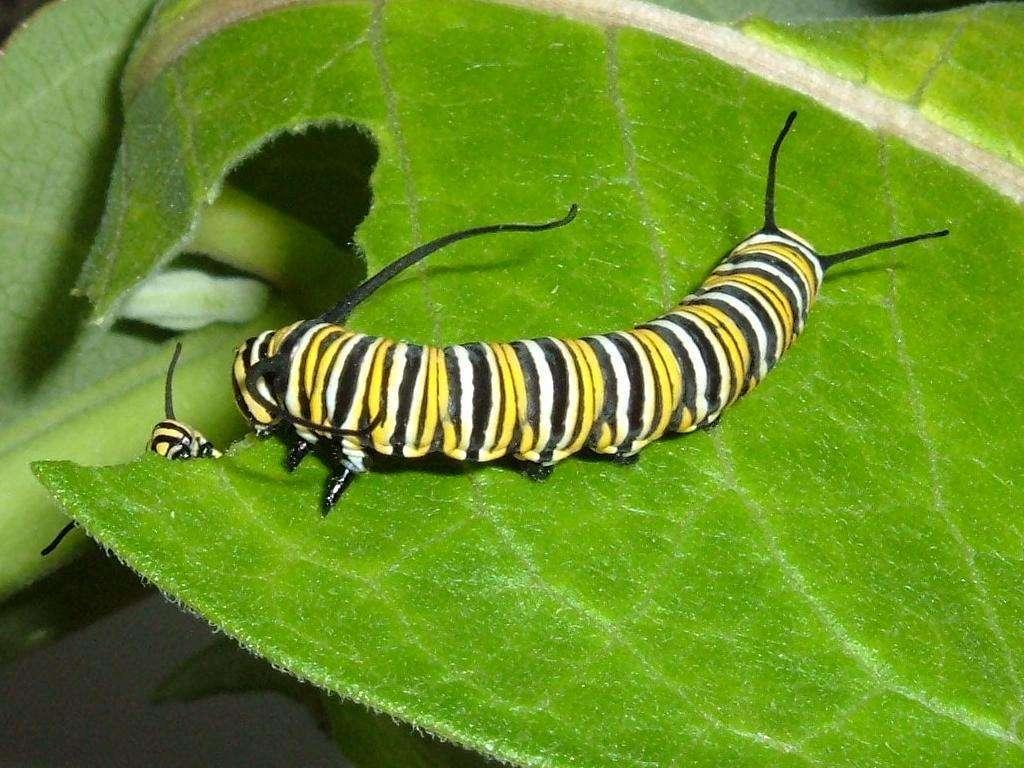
(395, 376)
(331, 392)
(362, 382)
(416, 404)
(572, 399)
(743, 309)
(776, 273)
(770, 310)
(465, 397)
(725, 384)
(494, 378)
(648, 384)
(255, 355)
(291, 395)
(700, 372)
(621, 425)
(545, 388)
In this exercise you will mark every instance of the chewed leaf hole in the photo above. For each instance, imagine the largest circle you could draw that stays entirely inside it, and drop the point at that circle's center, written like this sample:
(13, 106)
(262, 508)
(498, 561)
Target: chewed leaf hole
(286, 216)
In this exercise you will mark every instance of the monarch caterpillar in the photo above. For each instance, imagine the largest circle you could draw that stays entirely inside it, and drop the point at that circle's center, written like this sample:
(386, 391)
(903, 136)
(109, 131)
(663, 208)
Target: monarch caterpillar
(170, 438)
(174, 439)
(539, 400)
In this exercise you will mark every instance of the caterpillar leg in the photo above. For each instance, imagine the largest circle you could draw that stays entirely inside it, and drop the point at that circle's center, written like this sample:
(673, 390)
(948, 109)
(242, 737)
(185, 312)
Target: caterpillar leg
(537, 472)
(296, 454)
(346, 462)
(339, 480)
(626, 459)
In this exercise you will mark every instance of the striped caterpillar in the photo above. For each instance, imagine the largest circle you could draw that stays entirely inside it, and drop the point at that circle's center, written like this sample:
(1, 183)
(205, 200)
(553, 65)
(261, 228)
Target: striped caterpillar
(170, 438)
(538, 400)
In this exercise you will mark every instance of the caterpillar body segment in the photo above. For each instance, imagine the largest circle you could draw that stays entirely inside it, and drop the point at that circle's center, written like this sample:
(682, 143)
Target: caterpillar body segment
(538, 400)
(170, 438)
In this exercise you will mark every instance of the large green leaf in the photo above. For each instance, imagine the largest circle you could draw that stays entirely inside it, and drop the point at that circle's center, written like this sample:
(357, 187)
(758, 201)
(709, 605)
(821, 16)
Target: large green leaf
(832, 576)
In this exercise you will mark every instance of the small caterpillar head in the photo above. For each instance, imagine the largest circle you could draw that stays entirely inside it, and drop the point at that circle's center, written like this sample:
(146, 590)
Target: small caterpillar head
(175, 440)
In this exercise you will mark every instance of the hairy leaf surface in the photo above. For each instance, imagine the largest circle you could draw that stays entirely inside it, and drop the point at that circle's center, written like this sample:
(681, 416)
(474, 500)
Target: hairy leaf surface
(830, 577)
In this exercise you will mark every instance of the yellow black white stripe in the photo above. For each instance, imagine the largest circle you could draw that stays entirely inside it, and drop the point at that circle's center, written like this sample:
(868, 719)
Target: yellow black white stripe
(538, 400)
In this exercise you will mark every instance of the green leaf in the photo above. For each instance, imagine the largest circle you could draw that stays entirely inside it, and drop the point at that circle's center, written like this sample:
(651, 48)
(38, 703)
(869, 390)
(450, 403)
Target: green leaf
(800, 10)
(954, 67)
(830, 577)
(58, 134)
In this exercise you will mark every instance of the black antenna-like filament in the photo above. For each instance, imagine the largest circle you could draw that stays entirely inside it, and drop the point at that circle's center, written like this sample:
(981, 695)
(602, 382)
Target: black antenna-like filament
(830, 260)
(57, 539)
(340, 313)
(168, 398)
(773, 162)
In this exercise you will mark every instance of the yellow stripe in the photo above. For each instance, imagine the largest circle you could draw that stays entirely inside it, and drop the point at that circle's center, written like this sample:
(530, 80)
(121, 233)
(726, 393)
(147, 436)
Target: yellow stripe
(527, 433)
(324, 366)
(374, 398)
(279, 337)
(313, 357)
(597, 379)
(770, 291)
(257, 411)
(444, 394)
(432, 417)
(585, 409)
(663, 378)
(503, 435)
(717, 319)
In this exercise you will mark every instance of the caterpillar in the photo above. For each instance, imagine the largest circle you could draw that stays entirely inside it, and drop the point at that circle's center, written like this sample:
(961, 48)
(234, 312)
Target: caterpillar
(326, 386)
(174, 439)
(170, 438)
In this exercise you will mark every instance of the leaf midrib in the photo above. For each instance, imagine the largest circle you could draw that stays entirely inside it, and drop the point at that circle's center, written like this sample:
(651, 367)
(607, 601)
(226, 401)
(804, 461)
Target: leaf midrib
(853, 100)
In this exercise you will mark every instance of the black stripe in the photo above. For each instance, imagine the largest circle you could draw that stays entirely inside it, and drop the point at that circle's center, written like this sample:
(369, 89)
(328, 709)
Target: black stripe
(451, 365)
(413, 356)
(635, 377)
(707, 356)
(688, 396)
(790, 272)
(348, 379)
(482, 402)
(421, 421)
(746, 331)
(531, 384)
(765, 316)
(560, 394)
(611, 391)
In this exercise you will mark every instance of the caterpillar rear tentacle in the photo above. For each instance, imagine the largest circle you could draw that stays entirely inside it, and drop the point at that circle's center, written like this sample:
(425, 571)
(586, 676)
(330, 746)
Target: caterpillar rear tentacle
(170, 438)
(538, 400)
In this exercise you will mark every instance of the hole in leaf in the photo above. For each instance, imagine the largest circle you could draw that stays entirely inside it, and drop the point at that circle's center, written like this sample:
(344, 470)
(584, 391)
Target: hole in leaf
(289, 213)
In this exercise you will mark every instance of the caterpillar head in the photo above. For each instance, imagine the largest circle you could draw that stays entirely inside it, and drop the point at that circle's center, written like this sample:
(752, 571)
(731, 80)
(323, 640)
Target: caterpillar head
(253, 382)
(174, 439)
